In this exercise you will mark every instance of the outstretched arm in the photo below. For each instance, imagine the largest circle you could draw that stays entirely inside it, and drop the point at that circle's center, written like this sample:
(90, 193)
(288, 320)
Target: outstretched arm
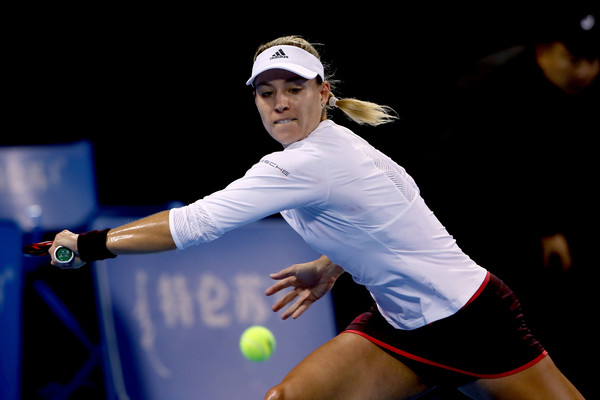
(147, 235)
(310, 281)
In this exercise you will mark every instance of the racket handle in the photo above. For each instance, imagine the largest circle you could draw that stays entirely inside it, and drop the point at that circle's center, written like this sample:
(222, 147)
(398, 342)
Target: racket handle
(63, 255)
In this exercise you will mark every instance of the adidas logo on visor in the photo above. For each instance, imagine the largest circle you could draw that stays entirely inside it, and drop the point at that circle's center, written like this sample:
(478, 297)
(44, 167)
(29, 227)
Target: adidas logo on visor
(278, 54)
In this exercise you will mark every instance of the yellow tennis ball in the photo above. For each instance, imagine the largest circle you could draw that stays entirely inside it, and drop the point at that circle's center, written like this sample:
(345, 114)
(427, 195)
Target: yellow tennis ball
(257, 343)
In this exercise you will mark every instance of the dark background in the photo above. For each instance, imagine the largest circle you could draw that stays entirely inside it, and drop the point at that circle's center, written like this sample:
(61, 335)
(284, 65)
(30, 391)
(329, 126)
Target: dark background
(162, 95)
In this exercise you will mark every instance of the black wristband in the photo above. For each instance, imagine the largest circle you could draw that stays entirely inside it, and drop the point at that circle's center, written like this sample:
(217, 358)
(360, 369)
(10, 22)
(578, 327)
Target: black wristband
(91, 246)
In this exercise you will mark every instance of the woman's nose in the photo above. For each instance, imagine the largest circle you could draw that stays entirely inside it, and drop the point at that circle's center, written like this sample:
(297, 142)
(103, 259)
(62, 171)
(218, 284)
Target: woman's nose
(282, 103)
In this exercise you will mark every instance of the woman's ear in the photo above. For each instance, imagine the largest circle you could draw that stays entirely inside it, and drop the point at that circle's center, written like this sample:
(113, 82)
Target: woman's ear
(325, 90)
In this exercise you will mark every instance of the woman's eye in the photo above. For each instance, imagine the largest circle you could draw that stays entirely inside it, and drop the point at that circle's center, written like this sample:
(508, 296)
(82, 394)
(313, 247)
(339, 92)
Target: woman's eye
(266, 94)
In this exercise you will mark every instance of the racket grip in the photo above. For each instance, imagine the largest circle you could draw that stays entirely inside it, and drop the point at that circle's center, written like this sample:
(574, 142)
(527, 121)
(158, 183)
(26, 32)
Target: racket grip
(63, 255)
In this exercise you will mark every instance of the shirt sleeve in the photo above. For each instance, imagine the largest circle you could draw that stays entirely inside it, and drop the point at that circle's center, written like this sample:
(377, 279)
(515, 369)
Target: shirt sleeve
(279, 181)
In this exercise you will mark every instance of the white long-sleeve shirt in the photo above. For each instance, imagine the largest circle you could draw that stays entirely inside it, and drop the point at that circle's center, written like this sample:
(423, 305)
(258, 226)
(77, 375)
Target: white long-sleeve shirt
(357, 206)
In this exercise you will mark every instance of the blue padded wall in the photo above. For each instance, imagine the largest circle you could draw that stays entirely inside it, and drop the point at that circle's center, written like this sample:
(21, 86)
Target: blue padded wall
(172, 321)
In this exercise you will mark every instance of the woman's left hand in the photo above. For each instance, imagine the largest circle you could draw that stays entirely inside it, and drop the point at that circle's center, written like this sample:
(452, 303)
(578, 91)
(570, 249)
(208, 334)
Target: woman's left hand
(310, 282)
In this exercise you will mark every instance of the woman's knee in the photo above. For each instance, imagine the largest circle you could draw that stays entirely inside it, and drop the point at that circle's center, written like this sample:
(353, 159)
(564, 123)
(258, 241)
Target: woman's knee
(289, 389)
(276, 393)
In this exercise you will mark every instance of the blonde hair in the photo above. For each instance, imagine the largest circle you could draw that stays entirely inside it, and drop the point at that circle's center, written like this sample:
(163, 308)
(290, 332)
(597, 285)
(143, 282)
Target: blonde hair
(360, 111)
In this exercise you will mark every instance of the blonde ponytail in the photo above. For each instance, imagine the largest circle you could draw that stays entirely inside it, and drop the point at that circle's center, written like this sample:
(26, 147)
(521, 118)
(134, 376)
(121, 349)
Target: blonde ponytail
(363, 112)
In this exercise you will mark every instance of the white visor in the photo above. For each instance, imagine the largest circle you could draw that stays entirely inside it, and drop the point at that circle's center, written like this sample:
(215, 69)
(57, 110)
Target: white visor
(289, 58)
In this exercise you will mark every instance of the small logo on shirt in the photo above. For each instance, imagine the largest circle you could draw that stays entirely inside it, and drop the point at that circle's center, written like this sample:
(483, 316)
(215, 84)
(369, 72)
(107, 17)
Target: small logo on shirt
(278, 54)
(274, 165)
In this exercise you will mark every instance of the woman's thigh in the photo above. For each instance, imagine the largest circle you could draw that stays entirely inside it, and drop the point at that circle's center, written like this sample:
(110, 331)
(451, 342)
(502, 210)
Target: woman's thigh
(541, 381)
(348, 367)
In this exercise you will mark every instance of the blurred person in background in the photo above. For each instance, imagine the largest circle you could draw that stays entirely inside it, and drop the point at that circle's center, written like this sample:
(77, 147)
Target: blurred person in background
(520, 148)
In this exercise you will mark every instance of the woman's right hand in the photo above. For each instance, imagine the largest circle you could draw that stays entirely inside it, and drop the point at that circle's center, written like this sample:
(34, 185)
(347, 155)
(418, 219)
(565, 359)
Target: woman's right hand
(310, 282)
(69, 240)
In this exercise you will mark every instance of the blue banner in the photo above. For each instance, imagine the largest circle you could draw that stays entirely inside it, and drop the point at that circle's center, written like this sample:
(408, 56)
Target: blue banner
(11, 285)
(172, 321)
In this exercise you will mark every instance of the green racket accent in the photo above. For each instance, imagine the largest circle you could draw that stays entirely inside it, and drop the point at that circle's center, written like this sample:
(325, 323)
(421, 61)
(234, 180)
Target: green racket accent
(63, 255)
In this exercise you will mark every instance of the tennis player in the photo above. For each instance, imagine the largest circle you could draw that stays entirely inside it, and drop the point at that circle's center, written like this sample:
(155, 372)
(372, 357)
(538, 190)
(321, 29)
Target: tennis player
(439, 318)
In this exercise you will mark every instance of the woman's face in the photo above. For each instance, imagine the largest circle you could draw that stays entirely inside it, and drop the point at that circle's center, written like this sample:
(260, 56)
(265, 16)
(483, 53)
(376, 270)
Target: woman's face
(290, 106)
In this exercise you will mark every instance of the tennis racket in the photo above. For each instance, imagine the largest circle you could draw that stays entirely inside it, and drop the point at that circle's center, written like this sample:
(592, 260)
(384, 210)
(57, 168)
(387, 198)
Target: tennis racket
(62, 254)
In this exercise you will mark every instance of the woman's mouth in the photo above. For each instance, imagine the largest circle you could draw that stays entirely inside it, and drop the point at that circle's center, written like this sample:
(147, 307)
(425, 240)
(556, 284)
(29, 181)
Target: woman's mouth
(284, 121)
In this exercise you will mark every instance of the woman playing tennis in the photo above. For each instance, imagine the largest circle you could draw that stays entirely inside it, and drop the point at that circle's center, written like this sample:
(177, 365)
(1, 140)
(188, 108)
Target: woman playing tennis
(438, 319)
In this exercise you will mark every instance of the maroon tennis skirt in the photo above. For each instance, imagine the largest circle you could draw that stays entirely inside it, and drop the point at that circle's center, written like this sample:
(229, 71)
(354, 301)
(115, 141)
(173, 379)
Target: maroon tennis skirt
(487, 338)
